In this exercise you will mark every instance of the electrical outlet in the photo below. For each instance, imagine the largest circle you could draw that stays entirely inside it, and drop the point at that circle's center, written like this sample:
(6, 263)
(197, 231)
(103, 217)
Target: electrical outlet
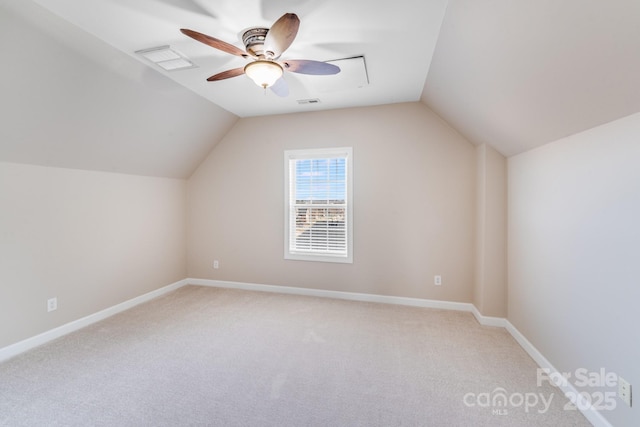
(52, 304)
(624, 391)
(216, 264)
(437, 280)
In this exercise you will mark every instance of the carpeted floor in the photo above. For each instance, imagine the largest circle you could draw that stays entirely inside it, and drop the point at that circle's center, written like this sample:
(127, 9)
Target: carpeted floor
(204, 356)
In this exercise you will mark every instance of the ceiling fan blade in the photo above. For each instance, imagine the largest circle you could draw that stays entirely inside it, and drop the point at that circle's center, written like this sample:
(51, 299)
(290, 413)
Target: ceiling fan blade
(305, 66)
(280, 87)
(281, 35)
(227, 74)
(215, 43)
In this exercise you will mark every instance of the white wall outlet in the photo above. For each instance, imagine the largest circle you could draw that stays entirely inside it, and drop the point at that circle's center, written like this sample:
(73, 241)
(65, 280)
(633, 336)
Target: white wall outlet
(437, 280)
(624, 391)
(52, 304)
(216, 264)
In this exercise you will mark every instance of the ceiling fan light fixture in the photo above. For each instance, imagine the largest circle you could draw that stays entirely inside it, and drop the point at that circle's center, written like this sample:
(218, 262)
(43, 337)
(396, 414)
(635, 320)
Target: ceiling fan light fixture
(263, 73)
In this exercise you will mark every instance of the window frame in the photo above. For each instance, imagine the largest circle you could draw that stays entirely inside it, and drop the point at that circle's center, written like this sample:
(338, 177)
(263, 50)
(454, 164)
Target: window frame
(318, 153)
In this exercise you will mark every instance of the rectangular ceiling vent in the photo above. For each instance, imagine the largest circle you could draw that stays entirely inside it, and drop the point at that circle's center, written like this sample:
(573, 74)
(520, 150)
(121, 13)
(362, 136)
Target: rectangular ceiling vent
(309, 101)
(353, 75)
(166, 58)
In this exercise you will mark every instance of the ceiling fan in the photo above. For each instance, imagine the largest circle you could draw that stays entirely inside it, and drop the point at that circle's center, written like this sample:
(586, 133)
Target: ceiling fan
(265, 46)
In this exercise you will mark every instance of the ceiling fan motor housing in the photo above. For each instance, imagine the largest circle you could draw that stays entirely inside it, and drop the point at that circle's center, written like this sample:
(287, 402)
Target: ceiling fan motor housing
(253, 40)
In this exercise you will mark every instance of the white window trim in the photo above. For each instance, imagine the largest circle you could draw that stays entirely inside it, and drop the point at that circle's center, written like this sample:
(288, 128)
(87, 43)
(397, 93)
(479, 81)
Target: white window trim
(319, 154)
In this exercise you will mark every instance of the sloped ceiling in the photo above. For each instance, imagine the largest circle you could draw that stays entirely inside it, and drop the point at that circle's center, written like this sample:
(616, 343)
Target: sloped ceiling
(512, 74)
(68, 100)
(519, 74)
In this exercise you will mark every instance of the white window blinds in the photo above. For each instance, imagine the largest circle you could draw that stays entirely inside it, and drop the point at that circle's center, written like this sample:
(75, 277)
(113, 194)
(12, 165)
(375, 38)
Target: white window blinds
(318, 212)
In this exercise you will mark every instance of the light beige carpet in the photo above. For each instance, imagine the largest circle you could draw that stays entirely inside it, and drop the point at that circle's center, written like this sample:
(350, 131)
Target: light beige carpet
(203, 356)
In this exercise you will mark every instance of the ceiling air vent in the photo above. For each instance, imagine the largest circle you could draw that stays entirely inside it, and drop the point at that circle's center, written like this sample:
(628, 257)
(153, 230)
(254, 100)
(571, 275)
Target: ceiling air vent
(309, 101)
(166, 58)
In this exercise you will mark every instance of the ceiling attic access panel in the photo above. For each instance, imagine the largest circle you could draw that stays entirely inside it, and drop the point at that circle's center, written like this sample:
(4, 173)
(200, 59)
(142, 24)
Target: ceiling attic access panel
(353, 75)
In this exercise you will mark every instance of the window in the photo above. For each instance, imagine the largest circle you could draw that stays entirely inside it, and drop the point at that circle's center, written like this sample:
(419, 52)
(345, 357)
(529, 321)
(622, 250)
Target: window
(318, 207)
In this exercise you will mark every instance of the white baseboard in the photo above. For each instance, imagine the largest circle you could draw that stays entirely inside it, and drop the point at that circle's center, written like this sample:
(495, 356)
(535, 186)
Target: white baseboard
(29, 343)
(351, 296)
(593, 415)
(22, 346)
(488, 320)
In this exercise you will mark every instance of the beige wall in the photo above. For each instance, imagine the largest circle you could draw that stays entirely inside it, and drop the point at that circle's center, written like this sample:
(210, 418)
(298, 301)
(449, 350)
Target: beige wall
(91, 239)
(574, 251)
(414, 203)
(490, 286)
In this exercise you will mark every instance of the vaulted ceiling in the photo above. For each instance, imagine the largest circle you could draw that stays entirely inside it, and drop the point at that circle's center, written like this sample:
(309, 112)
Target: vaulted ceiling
(512, 74)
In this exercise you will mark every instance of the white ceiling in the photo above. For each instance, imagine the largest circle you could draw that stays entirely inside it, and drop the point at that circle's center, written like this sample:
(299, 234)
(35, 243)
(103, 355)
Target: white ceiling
(329, 30)
(512, 74)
